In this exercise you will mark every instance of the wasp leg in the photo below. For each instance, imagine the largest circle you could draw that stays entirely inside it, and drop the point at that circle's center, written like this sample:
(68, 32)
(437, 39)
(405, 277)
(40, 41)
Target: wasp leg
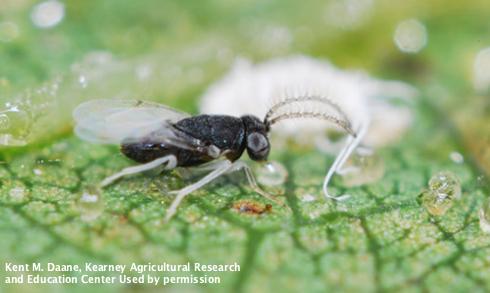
(352, 143)
(239, 165)
(210, 166)
(221, 168)
(170, 160)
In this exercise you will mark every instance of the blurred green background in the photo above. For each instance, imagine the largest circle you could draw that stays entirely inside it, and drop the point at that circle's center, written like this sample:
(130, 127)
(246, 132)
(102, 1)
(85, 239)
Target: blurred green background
(55, 54)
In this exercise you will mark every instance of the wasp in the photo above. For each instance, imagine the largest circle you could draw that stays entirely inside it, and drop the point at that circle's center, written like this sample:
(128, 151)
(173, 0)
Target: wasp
(155, 135)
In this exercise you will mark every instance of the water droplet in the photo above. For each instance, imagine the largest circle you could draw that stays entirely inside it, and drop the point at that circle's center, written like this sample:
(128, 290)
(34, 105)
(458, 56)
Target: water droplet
(15, 123)
(4, 122)
(17, 193)
(272, 174)
(445, 184)
(435, 204)
(8, 31)
(481, 74)
(48, 14)
(364, 166)
(82, 80)
(484, 215)
(456, 157)
(444, 187)
(90, 205)
(410, 36)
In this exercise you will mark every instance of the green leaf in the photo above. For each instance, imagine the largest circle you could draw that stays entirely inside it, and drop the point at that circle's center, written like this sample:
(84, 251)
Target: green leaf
(381, 239)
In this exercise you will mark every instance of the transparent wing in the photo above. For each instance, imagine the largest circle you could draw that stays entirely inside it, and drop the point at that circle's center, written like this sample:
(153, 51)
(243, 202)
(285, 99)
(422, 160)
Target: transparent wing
(111, 121)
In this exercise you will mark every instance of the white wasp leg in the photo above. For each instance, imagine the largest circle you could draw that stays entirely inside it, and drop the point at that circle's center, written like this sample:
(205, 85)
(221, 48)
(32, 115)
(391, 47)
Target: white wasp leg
(352, 143)
(239, 165)
(221, 168)
(209, 166)
(170, 160)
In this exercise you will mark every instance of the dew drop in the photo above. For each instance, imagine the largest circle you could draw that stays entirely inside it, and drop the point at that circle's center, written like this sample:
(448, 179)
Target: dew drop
(48, 14)
(17, 193)
(82, 80)
(444, 187)
(445, 184)
(90, 205)
(364, 166)
(484, 215)
(434, 203)
(4, 122)
(272, 174)
(456, 157)
(15, 123)
(410, 36)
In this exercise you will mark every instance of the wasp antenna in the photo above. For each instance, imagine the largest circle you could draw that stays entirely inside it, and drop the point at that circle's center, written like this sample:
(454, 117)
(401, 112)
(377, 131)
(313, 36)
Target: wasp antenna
(344, 124)
(277, 111)
(303, 98)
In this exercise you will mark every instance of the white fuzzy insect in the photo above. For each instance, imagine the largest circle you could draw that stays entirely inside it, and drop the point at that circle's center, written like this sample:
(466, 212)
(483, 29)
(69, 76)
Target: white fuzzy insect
(360, 100)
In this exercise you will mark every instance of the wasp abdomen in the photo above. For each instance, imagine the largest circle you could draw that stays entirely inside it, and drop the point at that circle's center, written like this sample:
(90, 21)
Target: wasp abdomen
(144, 152)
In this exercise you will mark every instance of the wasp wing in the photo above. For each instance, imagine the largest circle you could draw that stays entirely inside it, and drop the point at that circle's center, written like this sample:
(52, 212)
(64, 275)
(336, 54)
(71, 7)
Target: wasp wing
(115, 121)
(169, 135)
(112, 121)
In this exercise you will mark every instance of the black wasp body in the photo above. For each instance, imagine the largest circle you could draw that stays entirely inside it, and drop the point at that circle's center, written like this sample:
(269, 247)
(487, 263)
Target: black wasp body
(231, 135)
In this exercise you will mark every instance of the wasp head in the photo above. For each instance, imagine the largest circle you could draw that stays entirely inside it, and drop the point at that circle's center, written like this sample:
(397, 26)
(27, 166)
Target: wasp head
(257, 143)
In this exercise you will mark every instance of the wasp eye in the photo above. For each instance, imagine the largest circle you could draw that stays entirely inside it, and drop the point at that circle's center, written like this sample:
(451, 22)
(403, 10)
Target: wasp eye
(257, 146)
(257, 142)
